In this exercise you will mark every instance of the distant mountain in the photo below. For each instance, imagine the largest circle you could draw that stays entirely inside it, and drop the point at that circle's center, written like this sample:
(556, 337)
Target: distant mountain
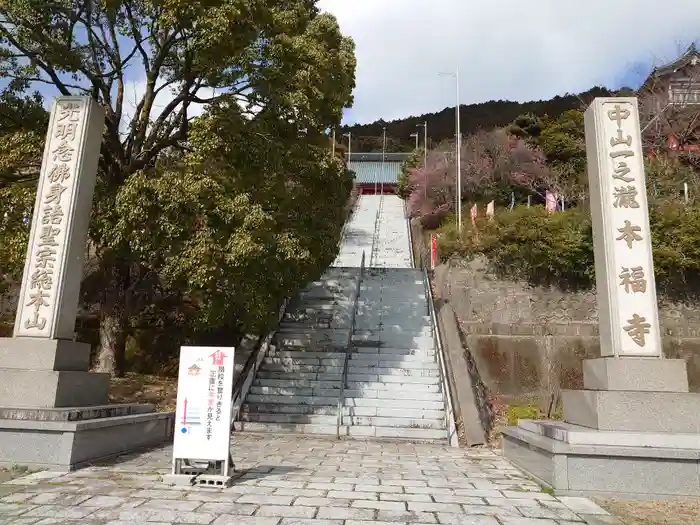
(473, 117)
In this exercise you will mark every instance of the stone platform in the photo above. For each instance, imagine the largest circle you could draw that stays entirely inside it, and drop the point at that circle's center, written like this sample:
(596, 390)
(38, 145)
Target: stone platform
(575, 460)
(64, 439)
(633, 431)
(54, 412)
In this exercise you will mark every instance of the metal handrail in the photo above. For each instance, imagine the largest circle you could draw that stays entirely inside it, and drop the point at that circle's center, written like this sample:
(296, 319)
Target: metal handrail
(348, 346)
(450, 427)
(375, 234)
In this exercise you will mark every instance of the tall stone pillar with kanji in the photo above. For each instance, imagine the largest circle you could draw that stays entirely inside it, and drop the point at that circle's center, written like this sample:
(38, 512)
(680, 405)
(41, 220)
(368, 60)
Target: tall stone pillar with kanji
(54, 412)
(634, 428)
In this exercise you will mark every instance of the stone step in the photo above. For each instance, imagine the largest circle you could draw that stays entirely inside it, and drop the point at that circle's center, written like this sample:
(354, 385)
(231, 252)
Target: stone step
(397, 388)
(287, 354)
(393, 403)
(388, 378)
(292, 368)
(372, 365)
(292, 400)
(299, 419)
(287, 428)
(405, 393)
(401, 413)
(293, 409)
(404, 372)
(395, 422)
(390, 360)
(392, 351)
(367, 411)
(293, 382)
(413, 434)
(265, 374)
(331, 401)
(287, 391)
(305, 361)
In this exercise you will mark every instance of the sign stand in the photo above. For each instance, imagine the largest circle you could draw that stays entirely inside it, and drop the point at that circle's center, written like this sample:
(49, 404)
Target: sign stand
(201, 447)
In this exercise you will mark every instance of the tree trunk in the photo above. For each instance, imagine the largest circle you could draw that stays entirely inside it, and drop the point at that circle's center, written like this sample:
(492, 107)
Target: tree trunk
(114, 321)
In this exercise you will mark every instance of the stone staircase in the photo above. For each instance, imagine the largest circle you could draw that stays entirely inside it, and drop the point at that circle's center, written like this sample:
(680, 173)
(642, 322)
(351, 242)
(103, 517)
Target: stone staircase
(393, 386)
(298, 385)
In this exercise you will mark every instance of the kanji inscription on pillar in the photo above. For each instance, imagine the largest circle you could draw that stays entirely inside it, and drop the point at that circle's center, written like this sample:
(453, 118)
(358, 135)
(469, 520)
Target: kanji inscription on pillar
(628, 312)
(54, 263)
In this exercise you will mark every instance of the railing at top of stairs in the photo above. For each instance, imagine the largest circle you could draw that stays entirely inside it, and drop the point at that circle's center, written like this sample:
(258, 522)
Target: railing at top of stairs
(348, 346)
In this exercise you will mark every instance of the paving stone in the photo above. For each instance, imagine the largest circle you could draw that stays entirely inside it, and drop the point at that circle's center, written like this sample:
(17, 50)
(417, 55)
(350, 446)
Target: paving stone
(435, 507)
(287, 511)
(581, 505)
(405, 497)
(104, 502)
(302, 521)
(342, 513)
(240, 509)
(406, 517)
(541, 512)
(526, 521)
(229, 519)
(148, 515)
(170, 504)
(264, 499)
(379, 505)
(456, 519)
(352, 495)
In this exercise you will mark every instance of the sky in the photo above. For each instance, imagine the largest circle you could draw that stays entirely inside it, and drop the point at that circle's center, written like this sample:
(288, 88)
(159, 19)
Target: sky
(504, 49)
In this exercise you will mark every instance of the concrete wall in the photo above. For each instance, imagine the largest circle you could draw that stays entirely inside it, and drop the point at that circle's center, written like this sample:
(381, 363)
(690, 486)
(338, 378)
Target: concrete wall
(531, 340)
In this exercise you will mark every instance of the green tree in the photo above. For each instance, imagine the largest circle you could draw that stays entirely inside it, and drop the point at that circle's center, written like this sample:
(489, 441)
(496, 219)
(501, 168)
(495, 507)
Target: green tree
(403, 185)
(282, 56)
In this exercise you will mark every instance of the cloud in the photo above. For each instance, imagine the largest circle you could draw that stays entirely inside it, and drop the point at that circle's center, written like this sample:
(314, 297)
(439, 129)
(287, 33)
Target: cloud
(505, 49)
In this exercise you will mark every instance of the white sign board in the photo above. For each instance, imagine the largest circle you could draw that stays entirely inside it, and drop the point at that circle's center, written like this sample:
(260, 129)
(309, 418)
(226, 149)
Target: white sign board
(203, 413)
(53, 269)
(626, 288)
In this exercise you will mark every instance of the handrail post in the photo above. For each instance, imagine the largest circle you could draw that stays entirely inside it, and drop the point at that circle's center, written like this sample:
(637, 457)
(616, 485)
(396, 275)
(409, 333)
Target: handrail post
(344, 377)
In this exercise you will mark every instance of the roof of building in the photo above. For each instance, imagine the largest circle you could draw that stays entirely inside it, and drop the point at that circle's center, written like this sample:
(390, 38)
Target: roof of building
(379, 172)
(690, 57)
(377, 157)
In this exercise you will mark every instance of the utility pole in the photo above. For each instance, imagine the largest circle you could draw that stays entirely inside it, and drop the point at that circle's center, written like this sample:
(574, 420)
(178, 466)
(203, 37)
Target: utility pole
(349, 136)
(333, 147)
(383, 159)
(425, 145)
(459, 160)
(416, 136)
(458, 144)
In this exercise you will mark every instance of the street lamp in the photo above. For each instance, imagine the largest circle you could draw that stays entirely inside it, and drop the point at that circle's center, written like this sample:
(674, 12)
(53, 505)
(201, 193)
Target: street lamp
(425, 142)
(383, 159)
(416, 136)
(333, 147)
(458, 144)
(349, 136)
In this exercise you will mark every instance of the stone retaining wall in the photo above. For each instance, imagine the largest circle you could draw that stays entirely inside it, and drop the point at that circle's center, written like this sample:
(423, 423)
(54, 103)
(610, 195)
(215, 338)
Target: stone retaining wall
(531, 340)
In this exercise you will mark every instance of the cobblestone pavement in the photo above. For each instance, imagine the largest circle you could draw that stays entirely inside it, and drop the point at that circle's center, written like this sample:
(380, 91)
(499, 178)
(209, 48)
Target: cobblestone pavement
(291, 480)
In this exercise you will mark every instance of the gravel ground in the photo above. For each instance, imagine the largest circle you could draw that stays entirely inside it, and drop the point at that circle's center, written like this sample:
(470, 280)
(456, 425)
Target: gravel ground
(653, 512)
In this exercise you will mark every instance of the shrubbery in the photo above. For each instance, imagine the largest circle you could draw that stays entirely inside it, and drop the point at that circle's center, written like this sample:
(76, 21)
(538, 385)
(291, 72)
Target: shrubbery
(557, 249)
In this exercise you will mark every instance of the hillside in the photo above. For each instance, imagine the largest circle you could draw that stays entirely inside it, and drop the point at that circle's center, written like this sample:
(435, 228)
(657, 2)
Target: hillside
(485, 116)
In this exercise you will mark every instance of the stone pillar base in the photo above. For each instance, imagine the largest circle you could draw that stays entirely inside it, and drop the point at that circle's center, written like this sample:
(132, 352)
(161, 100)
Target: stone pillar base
(634, 431)
(54, 413)
(49, 373)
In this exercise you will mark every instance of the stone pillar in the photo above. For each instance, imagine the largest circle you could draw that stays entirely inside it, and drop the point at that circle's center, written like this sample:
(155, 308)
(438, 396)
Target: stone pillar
(54, 412)
(634, 429)
(632, 387)
(41, 365)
